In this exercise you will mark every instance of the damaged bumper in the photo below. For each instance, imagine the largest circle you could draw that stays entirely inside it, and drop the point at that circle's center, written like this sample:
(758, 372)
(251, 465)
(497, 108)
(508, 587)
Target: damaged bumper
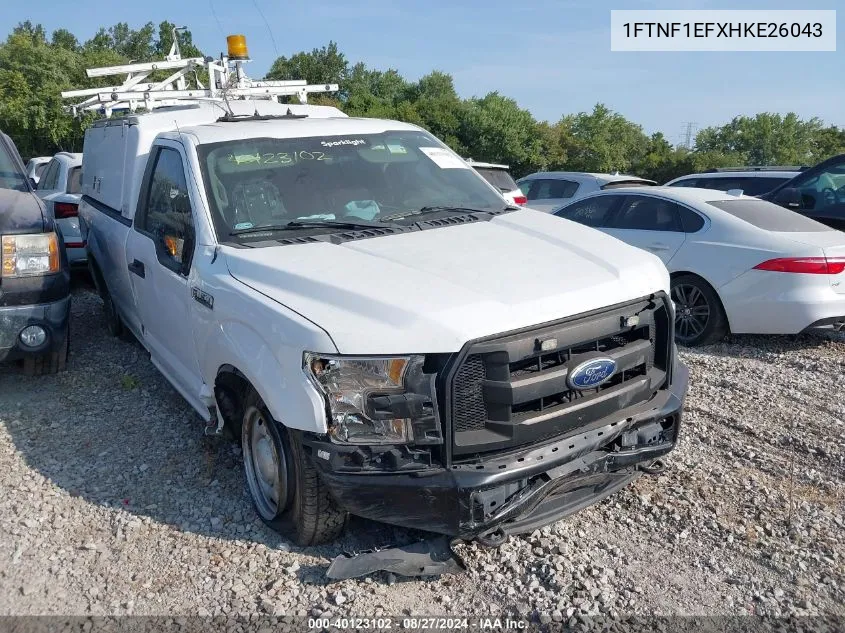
(519, 491)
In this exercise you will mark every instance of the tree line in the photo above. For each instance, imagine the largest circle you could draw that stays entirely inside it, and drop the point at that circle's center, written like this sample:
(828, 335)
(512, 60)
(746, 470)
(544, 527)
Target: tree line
(35, 68)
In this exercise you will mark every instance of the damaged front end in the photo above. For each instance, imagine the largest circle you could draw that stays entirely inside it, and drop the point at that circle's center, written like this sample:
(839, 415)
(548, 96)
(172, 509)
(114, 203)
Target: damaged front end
(524, 444)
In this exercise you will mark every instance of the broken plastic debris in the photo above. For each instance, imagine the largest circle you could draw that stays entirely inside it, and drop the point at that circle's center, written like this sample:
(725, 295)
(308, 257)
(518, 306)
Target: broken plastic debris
(423, 558)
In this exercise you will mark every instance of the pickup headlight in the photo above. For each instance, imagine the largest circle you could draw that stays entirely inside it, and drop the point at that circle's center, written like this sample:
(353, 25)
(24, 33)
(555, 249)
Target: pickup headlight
(30, 254)
(377, 400)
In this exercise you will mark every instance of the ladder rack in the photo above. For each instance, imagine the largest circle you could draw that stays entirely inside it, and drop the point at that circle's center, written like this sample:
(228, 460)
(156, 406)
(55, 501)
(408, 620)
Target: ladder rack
(226, 80)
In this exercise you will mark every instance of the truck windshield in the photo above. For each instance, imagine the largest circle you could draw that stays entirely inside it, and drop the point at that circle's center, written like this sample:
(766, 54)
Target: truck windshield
(273, 181)
(11, 176)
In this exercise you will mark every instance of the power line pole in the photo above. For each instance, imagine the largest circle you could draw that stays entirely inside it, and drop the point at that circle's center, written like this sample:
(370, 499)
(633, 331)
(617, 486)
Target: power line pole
(688, 133)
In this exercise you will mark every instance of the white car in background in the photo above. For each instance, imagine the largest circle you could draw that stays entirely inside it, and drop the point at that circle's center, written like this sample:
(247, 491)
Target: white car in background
(35, 168)
(60, 189)
(499, 176)
(753, 181)
(549, 190)
(738, 264)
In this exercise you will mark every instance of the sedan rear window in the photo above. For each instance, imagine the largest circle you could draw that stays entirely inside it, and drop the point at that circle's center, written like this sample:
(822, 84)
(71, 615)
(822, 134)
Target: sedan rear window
(768, 216)
(74, 180)
(750, 185)
(499, 178)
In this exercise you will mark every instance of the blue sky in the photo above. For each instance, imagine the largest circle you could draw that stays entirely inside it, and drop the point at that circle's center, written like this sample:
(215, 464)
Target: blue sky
(553, 57)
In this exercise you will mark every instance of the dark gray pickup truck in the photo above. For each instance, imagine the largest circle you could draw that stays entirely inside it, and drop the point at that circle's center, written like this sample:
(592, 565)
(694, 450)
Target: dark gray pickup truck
(34, 274)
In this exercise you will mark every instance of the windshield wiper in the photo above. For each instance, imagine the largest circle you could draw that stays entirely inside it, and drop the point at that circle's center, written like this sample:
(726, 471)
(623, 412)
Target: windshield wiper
(307, 224)
(433, 209)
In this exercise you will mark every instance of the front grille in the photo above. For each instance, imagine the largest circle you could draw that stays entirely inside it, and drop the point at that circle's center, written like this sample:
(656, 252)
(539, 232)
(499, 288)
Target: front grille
(506, 392)
(469, 412)
(545, 363)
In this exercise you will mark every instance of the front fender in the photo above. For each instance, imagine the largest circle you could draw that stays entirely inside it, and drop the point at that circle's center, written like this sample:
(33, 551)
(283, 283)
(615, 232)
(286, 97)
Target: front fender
(283, 386)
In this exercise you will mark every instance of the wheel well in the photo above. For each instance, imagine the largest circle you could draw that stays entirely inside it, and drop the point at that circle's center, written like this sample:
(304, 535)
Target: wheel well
(230, 389)
(679, 273)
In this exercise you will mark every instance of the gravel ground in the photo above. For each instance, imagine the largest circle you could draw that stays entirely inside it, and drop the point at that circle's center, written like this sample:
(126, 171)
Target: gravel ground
(112, 502)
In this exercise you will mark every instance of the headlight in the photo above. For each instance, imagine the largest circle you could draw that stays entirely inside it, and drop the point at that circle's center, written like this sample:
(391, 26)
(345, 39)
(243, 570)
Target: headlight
(377, 400)
(31, 254)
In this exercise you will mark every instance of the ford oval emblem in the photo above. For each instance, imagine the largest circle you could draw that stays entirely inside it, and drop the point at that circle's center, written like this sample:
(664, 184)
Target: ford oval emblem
(591, 373)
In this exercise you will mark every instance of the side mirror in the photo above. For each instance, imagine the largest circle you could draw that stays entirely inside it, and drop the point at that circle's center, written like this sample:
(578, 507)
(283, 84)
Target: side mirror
(790, 197)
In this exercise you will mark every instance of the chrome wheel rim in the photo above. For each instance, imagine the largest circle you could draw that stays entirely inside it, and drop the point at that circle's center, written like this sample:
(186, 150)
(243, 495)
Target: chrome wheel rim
(692, 312)
(264, 464)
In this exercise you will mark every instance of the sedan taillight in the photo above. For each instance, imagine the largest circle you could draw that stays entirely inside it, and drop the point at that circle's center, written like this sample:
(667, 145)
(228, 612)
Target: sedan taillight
(807, 265)
(65, 210)
(520, 200)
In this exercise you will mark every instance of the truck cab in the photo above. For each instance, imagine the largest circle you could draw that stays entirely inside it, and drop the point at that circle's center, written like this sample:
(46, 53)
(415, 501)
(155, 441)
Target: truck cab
(380, 330)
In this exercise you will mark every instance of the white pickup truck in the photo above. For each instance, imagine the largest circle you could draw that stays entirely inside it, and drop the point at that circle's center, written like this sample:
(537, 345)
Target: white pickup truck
(383, 334)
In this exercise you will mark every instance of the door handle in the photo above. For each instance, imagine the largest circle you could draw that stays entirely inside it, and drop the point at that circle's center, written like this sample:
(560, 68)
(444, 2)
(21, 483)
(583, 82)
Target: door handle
(657, 246)
(137, 268)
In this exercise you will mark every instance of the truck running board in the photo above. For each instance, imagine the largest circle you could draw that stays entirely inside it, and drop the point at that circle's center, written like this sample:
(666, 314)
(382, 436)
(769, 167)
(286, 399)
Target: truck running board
(423, 558)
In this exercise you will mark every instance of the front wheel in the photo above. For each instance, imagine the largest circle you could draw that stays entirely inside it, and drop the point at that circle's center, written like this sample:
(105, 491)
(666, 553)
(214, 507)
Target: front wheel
(699, 317)
(286, 490)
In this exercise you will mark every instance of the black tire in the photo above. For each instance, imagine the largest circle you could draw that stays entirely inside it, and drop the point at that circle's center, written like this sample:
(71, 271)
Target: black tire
(699, 316)
(114, 324)
(304, 512)
(50, 363)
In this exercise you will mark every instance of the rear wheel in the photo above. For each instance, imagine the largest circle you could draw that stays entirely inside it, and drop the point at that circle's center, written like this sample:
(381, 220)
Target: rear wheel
(286, 490)
(699, 317)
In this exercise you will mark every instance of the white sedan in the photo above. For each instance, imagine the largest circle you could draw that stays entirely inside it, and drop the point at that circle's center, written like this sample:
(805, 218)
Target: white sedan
(738, 264)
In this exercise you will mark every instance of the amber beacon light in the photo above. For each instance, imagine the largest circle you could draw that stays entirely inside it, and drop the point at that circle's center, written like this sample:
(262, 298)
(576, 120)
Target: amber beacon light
(236, 45)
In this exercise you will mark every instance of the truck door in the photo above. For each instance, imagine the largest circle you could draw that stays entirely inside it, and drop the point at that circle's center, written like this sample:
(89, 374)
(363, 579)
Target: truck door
(159, 251)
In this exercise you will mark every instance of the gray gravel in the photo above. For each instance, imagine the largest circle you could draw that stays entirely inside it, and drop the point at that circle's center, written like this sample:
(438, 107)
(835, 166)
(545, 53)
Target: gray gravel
(112, 502)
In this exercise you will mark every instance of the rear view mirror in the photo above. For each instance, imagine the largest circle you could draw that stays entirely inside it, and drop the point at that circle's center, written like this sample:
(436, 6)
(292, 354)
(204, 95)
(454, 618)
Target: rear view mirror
(789, 197)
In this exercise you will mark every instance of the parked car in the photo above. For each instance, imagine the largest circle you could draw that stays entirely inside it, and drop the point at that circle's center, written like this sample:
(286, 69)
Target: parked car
(547, 191)
(383, 333)
(35, 167)
(34, 278)
(738, 264)
(500, 177)
(60, 189)
(818, 193)
(752, 181)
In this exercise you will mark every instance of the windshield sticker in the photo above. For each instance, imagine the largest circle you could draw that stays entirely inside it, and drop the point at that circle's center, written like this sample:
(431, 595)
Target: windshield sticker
(243, 225)
(397, 149)
(345, 141)
(444, 158)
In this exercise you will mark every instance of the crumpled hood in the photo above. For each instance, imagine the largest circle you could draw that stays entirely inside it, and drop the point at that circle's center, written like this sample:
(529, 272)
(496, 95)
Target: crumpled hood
(434, 290)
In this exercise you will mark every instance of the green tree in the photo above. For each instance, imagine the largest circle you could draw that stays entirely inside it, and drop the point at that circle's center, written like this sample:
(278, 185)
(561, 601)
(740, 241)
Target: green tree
(496, 129)
(321, 66)
(603, 141)
(64, 39)
(764, 139)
